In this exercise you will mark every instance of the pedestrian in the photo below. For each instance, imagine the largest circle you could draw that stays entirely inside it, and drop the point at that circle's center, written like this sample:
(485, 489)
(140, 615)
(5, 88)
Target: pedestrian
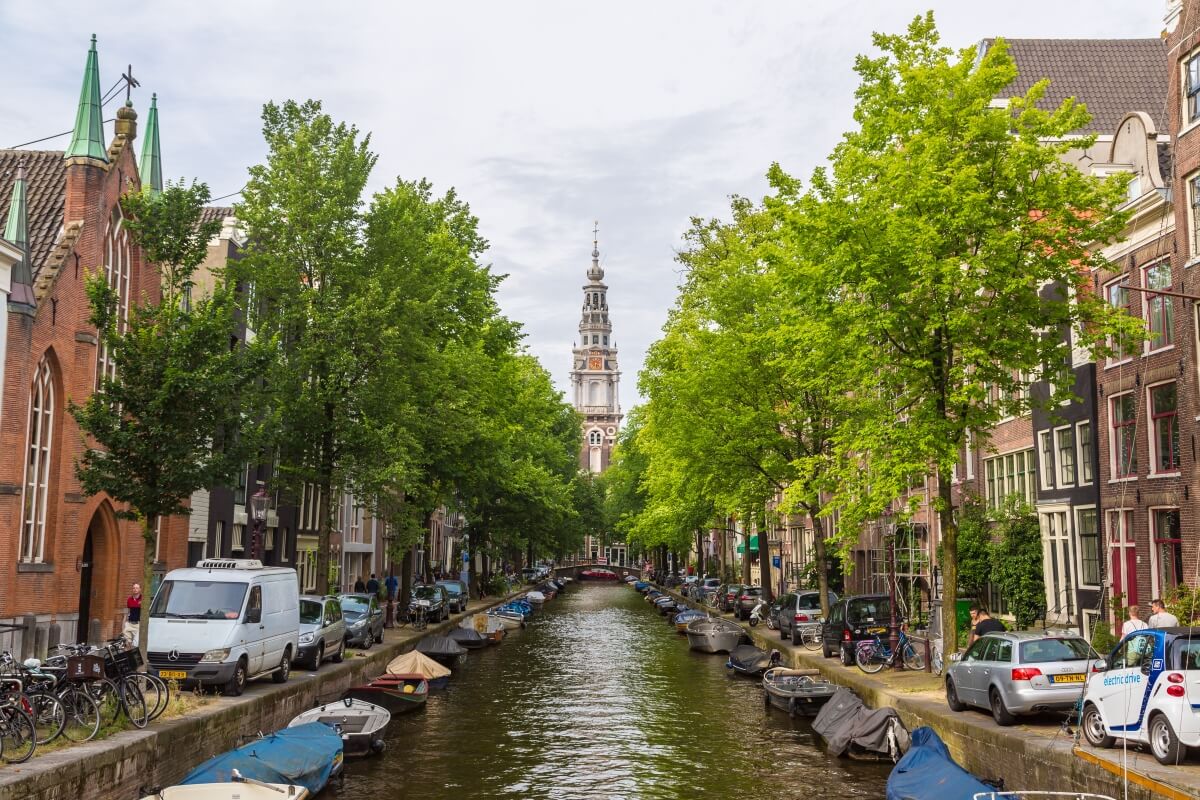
(982, 622)
(373, 585)
(1160, 617)
(360, 585)
(1134, 623)
(393, 585)
(133, 614)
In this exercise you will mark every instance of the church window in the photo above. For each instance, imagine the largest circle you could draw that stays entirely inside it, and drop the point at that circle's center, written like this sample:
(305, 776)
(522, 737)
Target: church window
(594, 438)
(116, 273)
(606, 340)
(595, 338)
(37, 465)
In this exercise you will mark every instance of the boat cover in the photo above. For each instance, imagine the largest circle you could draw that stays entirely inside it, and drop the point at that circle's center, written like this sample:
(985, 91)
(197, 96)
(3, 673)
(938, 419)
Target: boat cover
(927, 772)
(306, 755)
(749, 657)
(416, 663)
(440, 646)
(845, 720)
(465, 635)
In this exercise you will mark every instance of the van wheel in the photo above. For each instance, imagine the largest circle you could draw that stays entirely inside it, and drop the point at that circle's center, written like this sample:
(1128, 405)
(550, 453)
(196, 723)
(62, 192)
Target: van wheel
(999, 712)
(1093, 728)
(1163, 741)
(285, 667)
(341, 652)
(236, 684)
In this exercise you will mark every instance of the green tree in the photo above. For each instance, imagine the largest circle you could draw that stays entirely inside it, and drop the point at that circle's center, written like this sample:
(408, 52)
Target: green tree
(975, 556)
(942, 218)
(174, 417)
(1017, 563)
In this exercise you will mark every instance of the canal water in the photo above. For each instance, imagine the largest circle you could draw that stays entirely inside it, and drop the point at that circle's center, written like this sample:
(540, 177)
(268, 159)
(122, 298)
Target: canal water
(599, 698)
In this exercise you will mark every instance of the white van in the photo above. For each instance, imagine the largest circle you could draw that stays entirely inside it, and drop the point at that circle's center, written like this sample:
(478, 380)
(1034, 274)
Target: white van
(224, 622)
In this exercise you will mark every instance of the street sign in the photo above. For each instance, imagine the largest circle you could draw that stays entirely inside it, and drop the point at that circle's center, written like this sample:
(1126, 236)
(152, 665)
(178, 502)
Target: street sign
(466, 556)
(776, 561)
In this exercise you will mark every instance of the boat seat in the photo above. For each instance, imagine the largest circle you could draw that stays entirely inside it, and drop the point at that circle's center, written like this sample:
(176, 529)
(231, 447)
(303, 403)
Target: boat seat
(348, 725)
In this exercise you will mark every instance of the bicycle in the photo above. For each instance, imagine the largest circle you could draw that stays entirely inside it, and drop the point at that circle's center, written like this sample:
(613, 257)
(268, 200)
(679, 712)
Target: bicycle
(18, 733)
(419, 618)
(808, 635)
(90, 668)
(873, 655)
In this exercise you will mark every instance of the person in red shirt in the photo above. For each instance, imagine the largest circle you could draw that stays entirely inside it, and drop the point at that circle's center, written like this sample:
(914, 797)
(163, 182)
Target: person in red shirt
(133, 608)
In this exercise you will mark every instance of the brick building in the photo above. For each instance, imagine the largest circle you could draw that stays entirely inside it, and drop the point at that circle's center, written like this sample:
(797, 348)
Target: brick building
(65, 557)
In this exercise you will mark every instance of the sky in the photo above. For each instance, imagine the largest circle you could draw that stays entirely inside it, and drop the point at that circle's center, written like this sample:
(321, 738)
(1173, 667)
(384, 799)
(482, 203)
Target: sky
(545, 116)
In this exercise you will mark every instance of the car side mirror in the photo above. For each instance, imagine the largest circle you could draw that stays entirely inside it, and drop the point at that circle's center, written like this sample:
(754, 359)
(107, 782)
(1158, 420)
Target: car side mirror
(253, 615)
(329, 620)
(1099, 665)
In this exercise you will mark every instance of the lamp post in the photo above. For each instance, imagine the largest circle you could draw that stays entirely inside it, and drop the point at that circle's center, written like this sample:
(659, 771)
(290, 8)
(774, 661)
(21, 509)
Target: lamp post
(258, 516)
(893, 628)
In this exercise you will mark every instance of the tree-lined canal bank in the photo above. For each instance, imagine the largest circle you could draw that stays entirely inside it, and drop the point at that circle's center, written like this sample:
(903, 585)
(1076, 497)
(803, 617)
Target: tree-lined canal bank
(598, 697)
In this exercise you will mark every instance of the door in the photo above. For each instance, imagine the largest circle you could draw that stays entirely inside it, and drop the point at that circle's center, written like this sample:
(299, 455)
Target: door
(832, 630)
(1122, 556)
(255, 633)
(967, 676)
(85, 591)
(1125, 688)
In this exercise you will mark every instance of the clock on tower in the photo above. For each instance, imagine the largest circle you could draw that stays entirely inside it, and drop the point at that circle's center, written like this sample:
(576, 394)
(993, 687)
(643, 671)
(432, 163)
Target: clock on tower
(595, 362)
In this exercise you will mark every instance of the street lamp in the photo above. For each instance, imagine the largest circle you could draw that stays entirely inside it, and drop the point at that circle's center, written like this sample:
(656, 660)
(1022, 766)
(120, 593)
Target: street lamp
(258, 516)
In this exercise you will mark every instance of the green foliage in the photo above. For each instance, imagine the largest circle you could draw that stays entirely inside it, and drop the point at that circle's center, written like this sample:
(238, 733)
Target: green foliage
(1103, 639)
(975, 548)
(1017, 563)
(1184, 603)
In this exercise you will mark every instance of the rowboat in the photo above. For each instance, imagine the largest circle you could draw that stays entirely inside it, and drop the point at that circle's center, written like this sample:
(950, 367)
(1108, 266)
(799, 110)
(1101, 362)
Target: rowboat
(307, 756)
(509, 619)
(399, 694)
(442, 649)
(683, 618)
(796, 691)
(714, 635)
(469, 639)
(747, 659)
(417, 663)
(359, 723)
(237, 788)
(535, 597)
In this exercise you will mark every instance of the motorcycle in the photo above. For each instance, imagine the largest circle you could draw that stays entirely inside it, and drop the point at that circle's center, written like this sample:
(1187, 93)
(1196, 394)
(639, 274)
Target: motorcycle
(758, 613)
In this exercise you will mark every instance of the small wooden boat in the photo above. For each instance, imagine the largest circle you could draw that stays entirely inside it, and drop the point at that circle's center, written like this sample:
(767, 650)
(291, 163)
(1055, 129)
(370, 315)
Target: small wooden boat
(714, 635)
(442, 649)
(509, 619)
(469, 639)
(487, 625)
(800, 692)
(308, 756)
(417, 663)
(631, 579)
(359, 723)
(237, 788)
(399, 694)
(746, 659)
(535, 597)
(683, 618)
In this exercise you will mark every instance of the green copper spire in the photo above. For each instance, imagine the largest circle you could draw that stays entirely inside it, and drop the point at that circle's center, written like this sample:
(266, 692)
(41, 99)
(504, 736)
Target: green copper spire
(16, 230)
(150, 165)
(88, 139)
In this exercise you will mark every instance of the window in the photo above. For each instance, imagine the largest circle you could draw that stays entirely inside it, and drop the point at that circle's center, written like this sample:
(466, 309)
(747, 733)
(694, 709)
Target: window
(116, 273)
(239, 537)
(1168, 549)
(1123, 555)
(1193, 188)
(1056, 554)
(37, 465)
(1124, 420)
(1118, 295)
(239, 490)
(970, 451)
(1010, 474)
(1089, 546)
(1160, 313)
(595, 338)
(606, 340)
(217, 538)
(1164, 441)
(1191, 86)
(1065, 439)
(1087, 453)
(1047, 454)
(595, 437)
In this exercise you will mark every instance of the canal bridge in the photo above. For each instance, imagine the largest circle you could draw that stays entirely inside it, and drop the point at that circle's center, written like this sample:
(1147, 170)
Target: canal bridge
(573, 570)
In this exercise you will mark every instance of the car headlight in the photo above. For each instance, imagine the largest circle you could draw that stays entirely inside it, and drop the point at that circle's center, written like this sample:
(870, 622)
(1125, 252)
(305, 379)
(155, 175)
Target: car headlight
(359, 624)
(306, 638)
(215, 656)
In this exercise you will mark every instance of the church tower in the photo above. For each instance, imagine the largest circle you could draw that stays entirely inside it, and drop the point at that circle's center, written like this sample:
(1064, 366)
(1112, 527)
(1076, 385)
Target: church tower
(594, 375)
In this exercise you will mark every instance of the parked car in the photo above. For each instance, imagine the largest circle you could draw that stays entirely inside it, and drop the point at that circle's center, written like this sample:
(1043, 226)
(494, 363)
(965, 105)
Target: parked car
(727, 596)
(1148, 691)
(242, 622)
(322, 630)
(456, 595)
(798, 608)
(529, 574)
(1020, 672)
(710, 584)
(364, 619)
(853, 620)
(435, 599)
(747, 599)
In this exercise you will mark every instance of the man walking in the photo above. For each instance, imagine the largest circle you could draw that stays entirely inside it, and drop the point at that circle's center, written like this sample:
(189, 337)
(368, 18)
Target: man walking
(133, 614)
(1134, 623)
(1160, 617)
(373, 585)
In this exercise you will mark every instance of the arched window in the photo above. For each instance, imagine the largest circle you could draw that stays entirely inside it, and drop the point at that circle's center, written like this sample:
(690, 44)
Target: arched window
(116, 272)
(595, 437)
(37, 464)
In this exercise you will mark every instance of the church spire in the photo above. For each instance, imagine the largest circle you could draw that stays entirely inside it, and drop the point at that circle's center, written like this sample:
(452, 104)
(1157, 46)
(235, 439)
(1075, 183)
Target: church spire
(16, 230)
(596, 274)
(87, 141)
(150, 165)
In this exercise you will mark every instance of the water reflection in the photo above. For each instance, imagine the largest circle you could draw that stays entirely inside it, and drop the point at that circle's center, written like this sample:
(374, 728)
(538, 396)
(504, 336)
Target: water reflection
(598, 697)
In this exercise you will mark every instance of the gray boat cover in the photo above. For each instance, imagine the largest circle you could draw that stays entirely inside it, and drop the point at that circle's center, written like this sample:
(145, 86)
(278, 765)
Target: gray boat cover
(460, 635)
(440, 646)
(845, 720)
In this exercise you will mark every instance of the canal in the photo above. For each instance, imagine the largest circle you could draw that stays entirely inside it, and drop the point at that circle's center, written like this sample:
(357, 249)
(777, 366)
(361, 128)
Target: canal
(599, 698)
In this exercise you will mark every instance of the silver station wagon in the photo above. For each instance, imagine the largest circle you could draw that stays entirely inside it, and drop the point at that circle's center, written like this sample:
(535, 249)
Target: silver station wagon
(1022, 672)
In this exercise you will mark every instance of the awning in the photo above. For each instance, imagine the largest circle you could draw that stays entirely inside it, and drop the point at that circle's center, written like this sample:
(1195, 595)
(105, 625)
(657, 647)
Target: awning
(741, 548)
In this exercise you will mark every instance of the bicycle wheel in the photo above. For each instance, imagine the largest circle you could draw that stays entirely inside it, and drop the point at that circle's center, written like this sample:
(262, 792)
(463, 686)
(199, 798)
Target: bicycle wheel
(18, 735)
(812, 639)
(937, 664)
(154, 690)
(870, 659)
(49, 717)
(133, 703)
(104, 692)
(913, 658)
(82, 721)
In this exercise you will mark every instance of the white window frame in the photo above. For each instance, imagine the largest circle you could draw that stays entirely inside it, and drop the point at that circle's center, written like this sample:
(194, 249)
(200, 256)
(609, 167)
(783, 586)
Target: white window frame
(39, 460)
(1058, 464)
(1187, 122)
(1030, 482)
(117, 273)
(1079, 457)
(1057, 526)
(1113, 455)
(218, 535)
(970, 448)
(1114, 543)
(1152, 432)
(1046, 437)
(1076, 538)
(239, 537)
(1126, 356)
(1148, 346)
(1152, 539)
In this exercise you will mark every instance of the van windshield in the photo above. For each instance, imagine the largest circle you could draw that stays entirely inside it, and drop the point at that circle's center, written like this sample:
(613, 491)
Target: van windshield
(198, 600)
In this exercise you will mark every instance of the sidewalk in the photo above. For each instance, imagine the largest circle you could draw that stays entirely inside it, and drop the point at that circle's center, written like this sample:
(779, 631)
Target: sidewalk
(1037, 752)
(125, 765)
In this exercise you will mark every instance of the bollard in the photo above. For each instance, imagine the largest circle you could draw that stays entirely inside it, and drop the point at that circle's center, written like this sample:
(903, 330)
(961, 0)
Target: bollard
(39, 643)
(94, 632)
(53, 636)
(28, 631)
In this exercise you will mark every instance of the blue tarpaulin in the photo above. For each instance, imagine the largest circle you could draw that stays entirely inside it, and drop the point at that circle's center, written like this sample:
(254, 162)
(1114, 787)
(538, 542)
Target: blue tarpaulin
(927, 772)
(307, 755)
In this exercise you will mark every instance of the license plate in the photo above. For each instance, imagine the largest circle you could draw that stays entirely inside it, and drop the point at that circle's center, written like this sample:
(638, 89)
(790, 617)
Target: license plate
(876, 630)
(1072, 678)
(177, 674)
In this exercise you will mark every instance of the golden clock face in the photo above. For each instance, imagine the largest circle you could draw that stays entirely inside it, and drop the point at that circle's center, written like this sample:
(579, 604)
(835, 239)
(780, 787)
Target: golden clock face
(595, 363)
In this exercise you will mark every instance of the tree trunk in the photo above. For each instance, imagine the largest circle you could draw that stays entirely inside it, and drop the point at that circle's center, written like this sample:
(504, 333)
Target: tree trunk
(427, 567)
(746, 579)
(529, 554)
(472, 573)
(949, 565)
(148, 555)
(764, 567)
(406, 570)
(326, 493)
(699, 555)
(819, 555)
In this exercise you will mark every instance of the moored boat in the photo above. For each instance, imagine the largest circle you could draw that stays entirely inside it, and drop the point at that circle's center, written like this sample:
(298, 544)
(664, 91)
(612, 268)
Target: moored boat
(237, 788)
(308, 755)
(797, 691)
(470, 639)
(442, 649)
(399, 694)
(359, 723)
(746, 659)
(852, 729)
(509, 619)
(684, 618)
(599, 574)
(714, 635)
(640, 586)
(415, 662)
(535, 597)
